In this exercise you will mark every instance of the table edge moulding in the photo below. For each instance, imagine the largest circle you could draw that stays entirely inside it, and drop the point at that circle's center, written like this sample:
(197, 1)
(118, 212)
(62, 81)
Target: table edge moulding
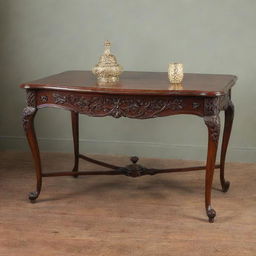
(139, 95)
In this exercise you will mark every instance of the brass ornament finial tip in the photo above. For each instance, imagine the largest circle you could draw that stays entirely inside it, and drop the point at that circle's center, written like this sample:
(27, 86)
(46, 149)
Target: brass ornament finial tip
(107, 43)
(107, 46)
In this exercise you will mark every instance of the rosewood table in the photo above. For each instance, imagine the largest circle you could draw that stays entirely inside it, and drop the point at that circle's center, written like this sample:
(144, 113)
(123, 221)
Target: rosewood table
(138, 95)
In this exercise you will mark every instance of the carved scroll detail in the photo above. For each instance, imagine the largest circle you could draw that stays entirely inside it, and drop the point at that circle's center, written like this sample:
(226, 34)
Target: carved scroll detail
(26, 115)
(195, 105)
(31, 98)
(211, 214)
(130, 106)
(136, 170)
(211, 106)
(43, 98)
(213, 124)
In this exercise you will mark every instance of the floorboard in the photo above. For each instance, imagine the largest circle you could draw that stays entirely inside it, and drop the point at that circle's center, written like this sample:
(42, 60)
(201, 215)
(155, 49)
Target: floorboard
(161, 215)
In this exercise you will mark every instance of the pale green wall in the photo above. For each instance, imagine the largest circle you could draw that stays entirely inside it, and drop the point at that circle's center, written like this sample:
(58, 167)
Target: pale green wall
(43, 37)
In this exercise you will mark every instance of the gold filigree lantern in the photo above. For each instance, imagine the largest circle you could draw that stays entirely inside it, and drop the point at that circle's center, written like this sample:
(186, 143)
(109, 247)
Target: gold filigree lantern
(107, 70)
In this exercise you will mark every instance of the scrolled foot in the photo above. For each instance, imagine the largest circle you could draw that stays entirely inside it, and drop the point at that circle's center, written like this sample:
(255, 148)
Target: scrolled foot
(75, 169)
(211, 214)
(76, 175)
(32, 196)
(225, 186)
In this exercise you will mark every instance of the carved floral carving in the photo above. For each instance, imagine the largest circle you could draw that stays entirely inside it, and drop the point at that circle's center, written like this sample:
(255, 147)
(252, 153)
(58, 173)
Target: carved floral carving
(26, 115)
(213, 124)
(31, 98)
(136, 170)
(195, 105)
(211, 106)
(43, 98)
(133, 107)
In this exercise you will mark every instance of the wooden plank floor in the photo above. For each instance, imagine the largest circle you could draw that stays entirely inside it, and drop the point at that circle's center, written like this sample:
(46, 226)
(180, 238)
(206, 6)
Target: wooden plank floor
(119, 216)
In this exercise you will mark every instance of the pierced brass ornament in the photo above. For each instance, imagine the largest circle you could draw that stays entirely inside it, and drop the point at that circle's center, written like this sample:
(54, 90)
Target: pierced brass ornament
(175, 73)
(176, 87)
(107, 70)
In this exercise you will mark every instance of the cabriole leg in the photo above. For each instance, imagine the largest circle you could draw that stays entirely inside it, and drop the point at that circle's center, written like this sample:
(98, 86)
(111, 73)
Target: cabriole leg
(28, 125)
(75, 131)
(213, 124)
(229, 116)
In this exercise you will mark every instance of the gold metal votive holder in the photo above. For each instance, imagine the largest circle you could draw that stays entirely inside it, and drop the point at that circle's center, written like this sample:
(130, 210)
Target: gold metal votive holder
(175, 73)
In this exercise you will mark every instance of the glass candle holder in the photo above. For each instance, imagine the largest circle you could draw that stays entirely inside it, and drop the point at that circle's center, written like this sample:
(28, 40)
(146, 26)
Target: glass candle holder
(175, 73)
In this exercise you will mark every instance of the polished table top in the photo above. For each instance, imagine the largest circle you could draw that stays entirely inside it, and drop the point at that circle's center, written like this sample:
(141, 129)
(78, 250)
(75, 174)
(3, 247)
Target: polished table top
(142, 83)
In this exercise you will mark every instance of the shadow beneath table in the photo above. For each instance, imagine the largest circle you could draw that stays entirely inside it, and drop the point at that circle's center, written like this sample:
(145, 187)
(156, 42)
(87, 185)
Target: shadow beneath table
(157, 188)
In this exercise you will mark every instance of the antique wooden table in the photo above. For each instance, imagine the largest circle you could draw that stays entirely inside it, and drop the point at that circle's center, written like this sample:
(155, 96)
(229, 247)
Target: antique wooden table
(138, 95)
